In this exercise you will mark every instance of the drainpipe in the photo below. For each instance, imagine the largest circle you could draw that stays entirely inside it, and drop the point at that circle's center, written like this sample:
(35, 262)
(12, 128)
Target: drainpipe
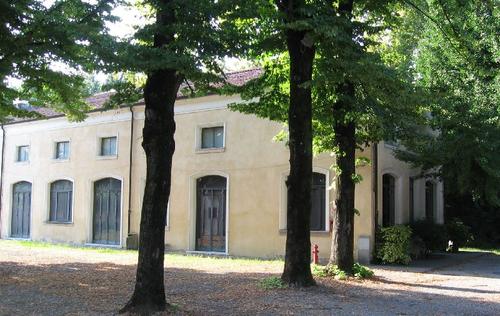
(1, 176)
(130, 168)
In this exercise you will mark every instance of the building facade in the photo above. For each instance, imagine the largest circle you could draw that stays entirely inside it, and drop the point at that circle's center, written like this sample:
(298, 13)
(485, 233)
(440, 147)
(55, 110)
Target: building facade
(83, 183)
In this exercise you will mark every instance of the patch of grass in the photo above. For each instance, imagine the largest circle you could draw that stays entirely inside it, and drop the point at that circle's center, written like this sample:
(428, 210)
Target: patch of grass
(272, 283)
(48, 245)
(360, 271)
(180, 259)
(470, 249)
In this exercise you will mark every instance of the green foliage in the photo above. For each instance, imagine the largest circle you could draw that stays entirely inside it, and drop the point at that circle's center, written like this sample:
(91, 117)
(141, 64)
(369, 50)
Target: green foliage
(453, 54)
(359, 271)
(49, 46)
(272, 283)
(362, 272)
(329, 270)
(458, 233)
(200, 34)
(483, 219)
(385, 106)
(434, 235)
(394, 244)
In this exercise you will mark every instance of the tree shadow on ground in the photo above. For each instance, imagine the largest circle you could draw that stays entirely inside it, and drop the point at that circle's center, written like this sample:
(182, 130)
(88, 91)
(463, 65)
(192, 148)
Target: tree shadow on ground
(473, 264)
(102, 288)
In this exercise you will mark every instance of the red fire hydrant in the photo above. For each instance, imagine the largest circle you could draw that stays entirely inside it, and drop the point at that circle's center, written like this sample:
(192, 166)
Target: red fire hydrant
(315, 254)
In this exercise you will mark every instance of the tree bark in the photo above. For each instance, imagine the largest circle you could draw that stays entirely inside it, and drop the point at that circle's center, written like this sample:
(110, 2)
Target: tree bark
(297, 271)
(342, 247)
(158, 142)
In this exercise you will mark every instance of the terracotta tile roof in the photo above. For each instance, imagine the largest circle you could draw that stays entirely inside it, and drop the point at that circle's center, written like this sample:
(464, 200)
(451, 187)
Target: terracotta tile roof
(97, 101)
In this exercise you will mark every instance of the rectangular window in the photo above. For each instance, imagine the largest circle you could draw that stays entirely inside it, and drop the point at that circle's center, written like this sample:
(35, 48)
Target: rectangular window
(62, 150)
(212, 137)
(108, 146)
(23, 153)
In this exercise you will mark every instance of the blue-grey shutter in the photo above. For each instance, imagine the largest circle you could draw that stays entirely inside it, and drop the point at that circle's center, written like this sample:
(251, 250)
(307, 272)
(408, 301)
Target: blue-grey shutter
(107, 208)
(21, 210)
(61, 194)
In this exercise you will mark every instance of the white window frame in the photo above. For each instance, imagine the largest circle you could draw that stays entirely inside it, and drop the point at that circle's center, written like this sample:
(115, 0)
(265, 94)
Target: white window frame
(55, 150)
(198, 137)
(99, 144)
(16, 154)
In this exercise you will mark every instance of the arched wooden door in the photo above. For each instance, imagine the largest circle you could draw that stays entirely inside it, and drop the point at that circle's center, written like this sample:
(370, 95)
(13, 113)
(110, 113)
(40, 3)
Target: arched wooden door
(21, 210)
(211, 214)
(107, 209)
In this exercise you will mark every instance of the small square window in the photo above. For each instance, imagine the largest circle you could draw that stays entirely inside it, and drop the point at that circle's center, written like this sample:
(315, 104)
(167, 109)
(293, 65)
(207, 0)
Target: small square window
(23, 153)
(212, 137)
(62, 150)
(108, 146)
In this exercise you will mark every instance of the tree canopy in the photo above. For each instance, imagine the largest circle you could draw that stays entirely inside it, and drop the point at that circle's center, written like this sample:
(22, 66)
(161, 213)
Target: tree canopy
(453, 53)
(49, 46)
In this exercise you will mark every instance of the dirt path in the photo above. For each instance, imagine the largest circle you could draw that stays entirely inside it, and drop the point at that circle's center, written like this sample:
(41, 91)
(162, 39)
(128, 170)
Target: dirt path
(66, 281)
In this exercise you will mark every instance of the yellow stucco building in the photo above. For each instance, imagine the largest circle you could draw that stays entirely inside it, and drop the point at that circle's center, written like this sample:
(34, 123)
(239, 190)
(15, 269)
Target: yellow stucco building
(83, 182)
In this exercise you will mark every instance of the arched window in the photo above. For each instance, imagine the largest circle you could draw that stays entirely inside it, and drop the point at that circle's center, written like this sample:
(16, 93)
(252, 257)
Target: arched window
(430, 200)
(61, 201)
(319, 201)
(318, 196)
(388, 200)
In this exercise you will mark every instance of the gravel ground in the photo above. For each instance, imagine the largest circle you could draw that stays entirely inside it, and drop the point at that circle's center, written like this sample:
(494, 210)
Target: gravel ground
(72, 281)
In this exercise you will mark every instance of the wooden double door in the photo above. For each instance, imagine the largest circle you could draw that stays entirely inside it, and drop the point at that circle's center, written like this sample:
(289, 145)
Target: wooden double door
(107, 212)
(211, 214)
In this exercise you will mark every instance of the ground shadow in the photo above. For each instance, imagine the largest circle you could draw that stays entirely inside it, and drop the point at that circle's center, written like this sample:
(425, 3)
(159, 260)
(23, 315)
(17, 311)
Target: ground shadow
(475, 264)
(102, 288)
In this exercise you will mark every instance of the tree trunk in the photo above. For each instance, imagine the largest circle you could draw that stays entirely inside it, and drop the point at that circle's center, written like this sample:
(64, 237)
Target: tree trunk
(342, 247)
(158, 142)
(343, 218)
(297, 270)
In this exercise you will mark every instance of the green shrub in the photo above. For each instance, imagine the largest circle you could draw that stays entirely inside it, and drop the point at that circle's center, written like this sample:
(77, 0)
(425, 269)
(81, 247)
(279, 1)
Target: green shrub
(362, 272)
(319, 270)
(434, 235)
(272, 283)
(458, 233)
(418, 250)
(394, 244)
(331, 270)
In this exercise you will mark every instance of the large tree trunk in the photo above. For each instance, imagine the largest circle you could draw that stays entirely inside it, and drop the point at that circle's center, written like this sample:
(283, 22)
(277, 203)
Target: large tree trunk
(342, 247)
(343, 218)
(158, 142)
(297, 270)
